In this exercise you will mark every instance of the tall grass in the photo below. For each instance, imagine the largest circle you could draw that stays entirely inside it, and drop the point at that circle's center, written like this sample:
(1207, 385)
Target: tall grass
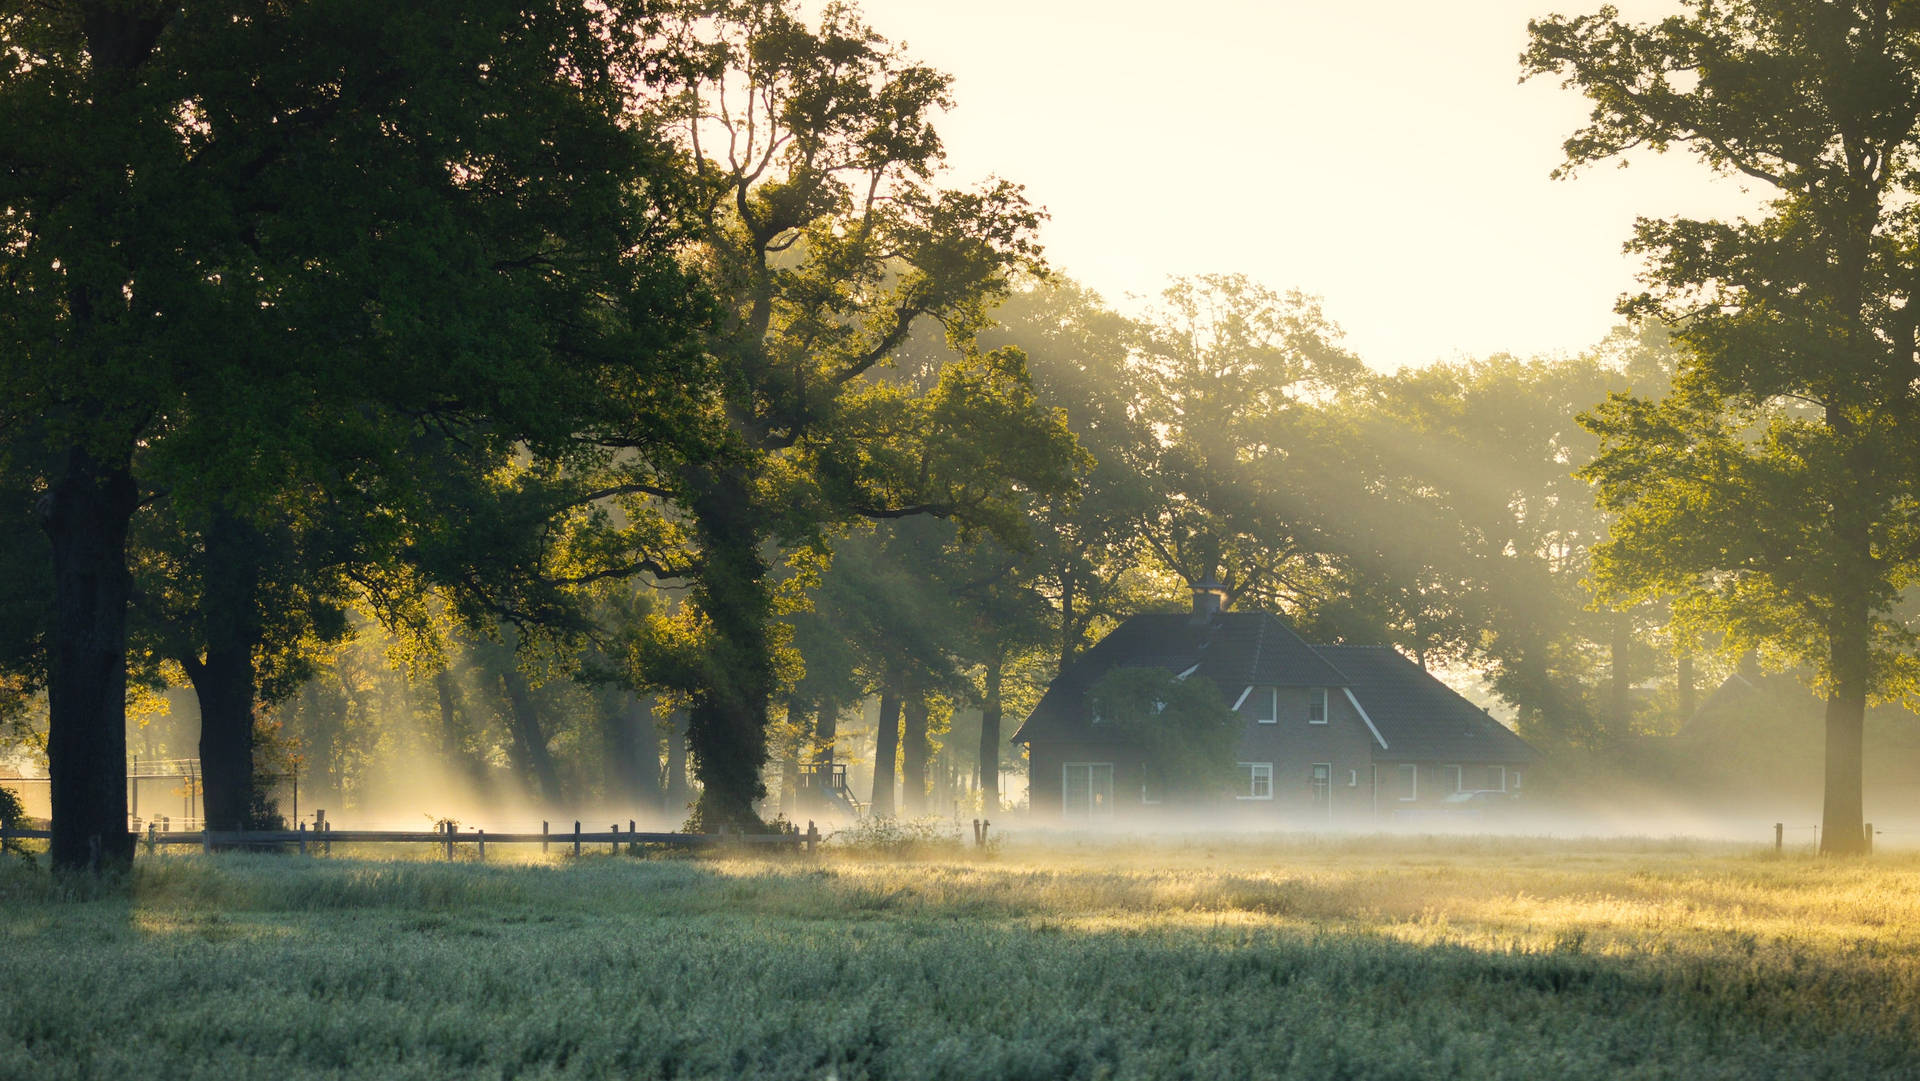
(1282, 957)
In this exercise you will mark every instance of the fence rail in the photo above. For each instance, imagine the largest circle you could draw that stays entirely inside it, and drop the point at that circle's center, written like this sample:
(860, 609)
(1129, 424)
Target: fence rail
(450, 838)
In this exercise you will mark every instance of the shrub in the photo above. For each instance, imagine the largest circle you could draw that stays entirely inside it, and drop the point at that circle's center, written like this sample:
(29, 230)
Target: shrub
(13, 815)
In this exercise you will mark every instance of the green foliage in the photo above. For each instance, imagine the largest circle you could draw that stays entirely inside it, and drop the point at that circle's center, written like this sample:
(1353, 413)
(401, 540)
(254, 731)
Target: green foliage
(13, 813)
(1184, 729)
(1463, 533)
(1227, 372)
(1776, 486)
(893, 837)
(825, 238)
(13, 816)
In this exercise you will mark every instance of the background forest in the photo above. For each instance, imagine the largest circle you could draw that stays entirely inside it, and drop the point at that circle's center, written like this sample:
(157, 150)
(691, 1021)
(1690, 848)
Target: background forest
(608, 408)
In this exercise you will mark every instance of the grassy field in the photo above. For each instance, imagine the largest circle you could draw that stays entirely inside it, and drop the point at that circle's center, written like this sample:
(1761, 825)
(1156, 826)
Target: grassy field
(1280, 957)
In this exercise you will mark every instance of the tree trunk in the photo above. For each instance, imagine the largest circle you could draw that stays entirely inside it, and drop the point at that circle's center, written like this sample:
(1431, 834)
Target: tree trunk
(633, 749)
(727, 725)
(453, 734)
(679, 794)
(529, 741)
(225, 681)
(797, 721)
(886, 744)
(1069, 634)
(1842, 815)
(1619, 685)
(224, 685)
(826, 731)
(86, 514)
(914, 750)
(990, 711)
(1683, 680)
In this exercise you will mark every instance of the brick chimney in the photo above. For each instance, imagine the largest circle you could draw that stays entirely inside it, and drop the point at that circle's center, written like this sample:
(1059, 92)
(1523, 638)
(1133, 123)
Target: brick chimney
(1209, 598)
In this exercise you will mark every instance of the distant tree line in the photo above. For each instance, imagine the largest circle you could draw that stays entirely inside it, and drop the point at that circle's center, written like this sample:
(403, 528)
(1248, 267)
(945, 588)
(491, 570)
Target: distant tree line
(612, 398)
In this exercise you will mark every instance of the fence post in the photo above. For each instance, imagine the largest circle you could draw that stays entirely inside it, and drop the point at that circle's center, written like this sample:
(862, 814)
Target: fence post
(576, 837)
(615, 830)
(151, 828)
(984, 826)
(483, 846)
(301, 828)
(543, 836)
(1867, 829)
(1779, 836)
(813, 836)
(976, 833)
(446, 828)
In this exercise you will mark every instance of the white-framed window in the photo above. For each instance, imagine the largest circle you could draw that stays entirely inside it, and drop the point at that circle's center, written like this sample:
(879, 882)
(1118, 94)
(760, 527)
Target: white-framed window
(1316, 705)
(1409, 781)
(1452, 780)
(1516, 780)
(1266, 707)
(1353, 778)
(1320, 780)
(1256, 780)
(1496, 778)
(1086, 789)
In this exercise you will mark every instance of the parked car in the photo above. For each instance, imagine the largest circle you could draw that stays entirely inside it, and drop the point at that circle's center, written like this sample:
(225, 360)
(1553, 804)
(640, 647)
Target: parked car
(1479, 799)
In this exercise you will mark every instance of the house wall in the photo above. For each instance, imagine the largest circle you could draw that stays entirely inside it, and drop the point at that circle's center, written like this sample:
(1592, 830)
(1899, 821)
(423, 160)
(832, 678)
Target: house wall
(1047, 765)
(1293, 745)
(1436, 782)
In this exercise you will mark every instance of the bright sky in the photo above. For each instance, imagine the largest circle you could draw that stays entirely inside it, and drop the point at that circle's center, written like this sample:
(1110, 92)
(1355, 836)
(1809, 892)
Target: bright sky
(1380, 155)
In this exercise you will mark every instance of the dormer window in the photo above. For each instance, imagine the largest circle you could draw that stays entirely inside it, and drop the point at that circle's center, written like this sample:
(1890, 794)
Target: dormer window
(1266, 707)
(1316, 705)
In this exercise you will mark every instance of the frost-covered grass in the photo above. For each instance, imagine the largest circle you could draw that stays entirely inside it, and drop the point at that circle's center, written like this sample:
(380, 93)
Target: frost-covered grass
(1278, 957)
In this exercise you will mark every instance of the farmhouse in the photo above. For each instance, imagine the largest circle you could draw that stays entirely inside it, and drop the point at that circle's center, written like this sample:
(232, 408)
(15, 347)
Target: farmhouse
(1334, 734)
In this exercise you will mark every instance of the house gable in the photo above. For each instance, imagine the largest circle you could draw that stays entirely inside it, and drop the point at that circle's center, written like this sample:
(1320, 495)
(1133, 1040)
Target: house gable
(1416, 717)
(1234, 650)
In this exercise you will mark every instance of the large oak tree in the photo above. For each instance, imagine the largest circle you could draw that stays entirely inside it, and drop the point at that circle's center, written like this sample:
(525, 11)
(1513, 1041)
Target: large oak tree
(263, 222)
(1777, 482)
(827, 238)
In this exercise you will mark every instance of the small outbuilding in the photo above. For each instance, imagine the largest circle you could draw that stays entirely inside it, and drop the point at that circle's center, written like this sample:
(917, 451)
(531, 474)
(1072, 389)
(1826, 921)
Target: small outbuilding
(1333, 734)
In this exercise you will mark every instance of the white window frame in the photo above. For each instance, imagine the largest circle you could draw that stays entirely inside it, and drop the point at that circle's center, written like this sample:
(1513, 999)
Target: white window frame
(1149, 795)
(1256, 773)
(1089, 813)
(1270, 698)
(1516, 779)
(1459, 777)
(1503, 778)
(1320, 783)
(1317, 696)
(1411, 774)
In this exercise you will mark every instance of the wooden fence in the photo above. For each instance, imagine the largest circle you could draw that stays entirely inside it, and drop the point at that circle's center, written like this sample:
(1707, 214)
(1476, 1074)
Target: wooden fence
(451, 838)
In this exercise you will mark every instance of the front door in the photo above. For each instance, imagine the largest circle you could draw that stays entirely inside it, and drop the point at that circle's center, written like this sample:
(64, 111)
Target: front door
(1322, 788)
(1086, 790)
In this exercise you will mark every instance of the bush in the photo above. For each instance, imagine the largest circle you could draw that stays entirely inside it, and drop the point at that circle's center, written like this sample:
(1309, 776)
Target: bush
(13, 816)
(893, 837)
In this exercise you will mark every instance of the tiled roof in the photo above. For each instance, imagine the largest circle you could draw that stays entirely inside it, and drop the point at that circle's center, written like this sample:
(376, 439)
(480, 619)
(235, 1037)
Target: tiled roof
(1419, 717)
(1234, 650)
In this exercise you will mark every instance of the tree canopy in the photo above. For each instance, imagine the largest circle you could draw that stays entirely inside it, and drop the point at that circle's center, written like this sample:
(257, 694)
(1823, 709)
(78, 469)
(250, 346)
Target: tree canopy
(1775, 484)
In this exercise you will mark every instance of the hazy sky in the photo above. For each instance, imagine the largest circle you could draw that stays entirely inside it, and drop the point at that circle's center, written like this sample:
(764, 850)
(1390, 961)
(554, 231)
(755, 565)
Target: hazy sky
(1381, 155)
